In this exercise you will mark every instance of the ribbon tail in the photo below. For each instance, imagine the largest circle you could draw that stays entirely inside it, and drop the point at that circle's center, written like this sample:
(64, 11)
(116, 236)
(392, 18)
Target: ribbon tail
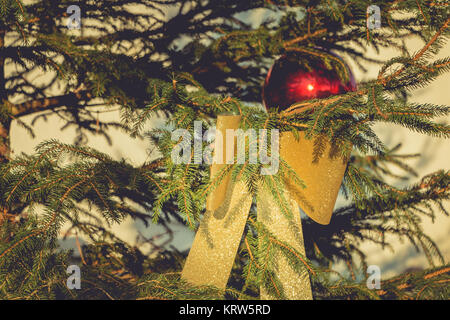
(289, 231)
(216, 243)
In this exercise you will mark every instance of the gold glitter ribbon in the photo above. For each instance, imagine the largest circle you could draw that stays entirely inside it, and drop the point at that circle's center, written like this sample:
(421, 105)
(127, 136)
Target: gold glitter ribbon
(322, 178)
(216, 243)
(217, 240)
(289, 231)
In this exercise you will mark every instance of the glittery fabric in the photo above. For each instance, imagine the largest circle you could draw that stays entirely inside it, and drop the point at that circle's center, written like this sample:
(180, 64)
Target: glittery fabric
(322, 178)
(216, 198)
(216, 243)
(296, 286)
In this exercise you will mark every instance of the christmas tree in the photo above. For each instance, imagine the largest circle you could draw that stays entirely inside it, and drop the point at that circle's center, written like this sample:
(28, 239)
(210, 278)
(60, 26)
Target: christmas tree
(193, 61)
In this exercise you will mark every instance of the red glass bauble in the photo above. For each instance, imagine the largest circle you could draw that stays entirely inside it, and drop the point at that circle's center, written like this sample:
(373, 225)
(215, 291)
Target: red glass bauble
(290, 81)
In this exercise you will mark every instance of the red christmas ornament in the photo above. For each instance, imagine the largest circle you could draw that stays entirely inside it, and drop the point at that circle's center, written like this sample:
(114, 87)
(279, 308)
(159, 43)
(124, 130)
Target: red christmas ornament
(289, 81)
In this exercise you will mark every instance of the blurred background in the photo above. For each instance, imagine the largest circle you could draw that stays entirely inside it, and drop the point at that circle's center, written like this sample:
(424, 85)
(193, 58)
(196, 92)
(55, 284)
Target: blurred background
(434, 152)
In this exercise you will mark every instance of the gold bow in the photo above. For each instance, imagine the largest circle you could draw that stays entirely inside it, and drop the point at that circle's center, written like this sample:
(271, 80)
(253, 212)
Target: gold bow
(217, 240)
